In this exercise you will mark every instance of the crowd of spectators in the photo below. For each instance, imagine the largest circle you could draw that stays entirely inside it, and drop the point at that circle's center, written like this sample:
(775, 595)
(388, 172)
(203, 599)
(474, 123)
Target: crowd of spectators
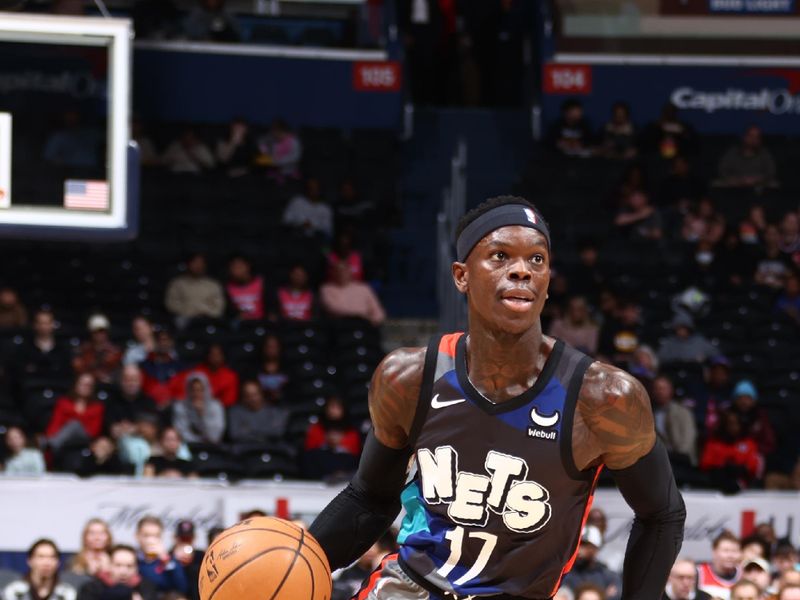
(757, 566)
(703, 340)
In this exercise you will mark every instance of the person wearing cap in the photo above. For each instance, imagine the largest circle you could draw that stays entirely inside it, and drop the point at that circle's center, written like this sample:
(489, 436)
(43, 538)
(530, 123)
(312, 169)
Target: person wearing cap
(98, 355)
(587, 569)
(685, 345)
(190, 557)
(757, 570)
(754, 419)
(682, 583)
(509, 429)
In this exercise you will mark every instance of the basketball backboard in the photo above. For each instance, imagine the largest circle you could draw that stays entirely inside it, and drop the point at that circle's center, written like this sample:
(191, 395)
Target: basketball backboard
(67, 169)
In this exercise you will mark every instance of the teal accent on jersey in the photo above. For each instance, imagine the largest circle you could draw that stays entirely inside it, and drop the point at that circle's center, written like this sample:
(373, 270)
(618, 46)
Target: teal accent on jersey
(415, 519)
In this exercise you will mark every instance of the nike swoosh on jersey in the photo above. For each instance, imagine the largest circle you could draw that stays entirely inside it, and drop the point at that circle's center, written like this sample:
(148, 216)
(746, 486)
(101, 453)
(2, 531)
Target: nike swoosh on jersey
(436, 403)
(544, 421)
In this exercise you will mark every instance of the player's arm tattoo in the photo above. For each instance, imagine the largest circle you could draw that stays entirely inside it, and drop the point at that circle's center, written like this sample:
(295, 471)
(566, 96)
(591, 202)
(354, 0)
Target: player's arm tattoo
(614, 419)
(393, 395)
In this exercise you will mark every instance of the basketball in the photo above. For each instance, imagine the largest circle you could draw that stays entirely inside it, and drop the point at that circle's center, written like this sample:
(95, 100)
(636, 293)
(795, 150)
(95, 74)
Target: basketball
(265, 557)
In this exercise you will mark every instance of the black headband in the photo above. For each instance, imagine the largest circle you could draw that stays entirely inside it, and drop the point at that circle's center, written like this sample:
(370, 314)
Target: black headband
(507, 214)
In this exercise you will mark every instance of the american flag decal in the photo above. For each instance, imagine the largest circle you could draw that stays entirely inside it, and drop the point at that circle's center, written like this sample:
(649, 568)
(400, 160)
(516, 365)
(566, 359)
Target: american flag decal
(85, 195)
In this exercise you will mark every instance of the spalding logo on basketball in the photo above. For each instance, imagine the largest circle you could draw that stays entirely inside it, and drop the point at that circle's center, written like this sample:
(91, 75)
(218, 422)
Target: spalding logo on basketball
(265, 558)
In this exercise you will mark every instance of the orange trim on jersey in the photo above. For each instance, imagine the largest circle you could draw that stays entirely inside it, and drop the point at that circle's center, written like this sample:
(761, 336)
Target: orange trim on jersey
(586, 511)
(373, 579)
(447, 345)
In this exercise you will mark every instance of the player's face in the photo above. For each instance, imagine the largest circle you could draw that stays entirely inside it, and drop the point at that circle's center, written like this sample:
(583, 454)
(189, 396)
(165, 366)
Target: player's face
(505, 278)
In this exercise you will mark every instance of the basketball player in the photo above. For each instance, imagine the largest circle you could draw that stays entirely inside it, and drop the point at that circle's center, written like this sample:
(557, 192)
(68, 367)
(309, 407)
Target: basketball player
(509, 430)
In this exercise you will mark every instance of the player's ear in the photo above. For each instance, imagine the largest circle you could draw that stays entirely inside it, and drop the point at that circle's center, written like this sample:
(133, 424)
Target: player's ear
(460, 276)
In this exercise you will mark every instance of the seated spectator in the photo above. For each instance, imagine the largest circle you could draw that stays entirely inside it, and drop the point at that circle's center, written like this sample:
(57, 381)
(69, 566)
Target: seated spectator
(638, 219)
(210, 21)
(681, 187)
(295, 301)
(93, 558)
(224, 380)
(351, 210)
(272, 377)
(620, 334)
(254, 420)
(754, 419)
(43, 355)
(122, 579)
(13, 314)
(669, 135)
(587, 277)
(588, 570)
(188, 154)
(718, 576)
(682, 582)
(710, 399)
(143, 342)
(309, 213)
(171, 460)
(674, 423)
(155, 563)
(77, 417)
(745, 590)
(577, 328)
(772, 266)
(237, 151)
(199, 417)
(98, 356)
(748, 164)
(194, 294)
(788, 302)
(731, 457)
(757, 570)
(74, 144)
(187, 554)
(619, 134)
(564, 593)
(644, 366)
(590, 591)
(343, 252)
(126, 402)
(19, 458)
(786, 561)
(280, 152)
(347, 298)
(702, 223)
(753, 227)
(245, 290)
(789, 592)
(148, 153)
(685, 345)
(572, 135)
(162, 369)
(137, 446)
(42, 581)
(333, 444)
(102, 459)
(349, 582)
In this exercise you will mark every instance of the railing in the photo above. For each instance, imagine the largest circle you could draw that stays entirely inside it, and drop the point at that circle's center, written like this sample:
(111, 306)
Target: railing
(452, 308)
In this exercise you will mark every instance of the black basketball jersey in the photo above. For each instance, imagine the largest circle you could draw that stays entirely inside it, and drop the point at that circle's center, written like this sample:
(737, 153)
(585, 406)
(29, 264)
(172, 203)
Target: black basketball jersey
(497, 505)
